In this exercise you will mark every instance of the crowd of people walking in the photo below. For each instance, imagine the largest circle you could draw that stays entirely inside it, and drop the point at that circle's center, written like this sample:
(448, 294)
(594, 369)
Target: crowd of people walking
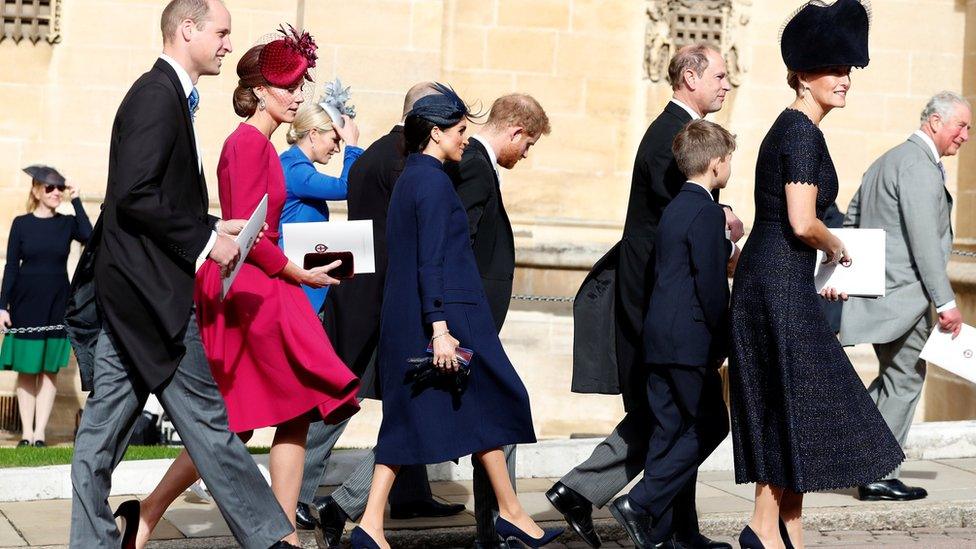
(296, 347)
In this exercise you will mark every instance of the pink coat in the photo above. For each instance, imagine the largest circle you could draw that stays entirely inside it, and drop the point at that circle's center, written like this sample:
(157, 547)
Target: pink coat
(267, 349)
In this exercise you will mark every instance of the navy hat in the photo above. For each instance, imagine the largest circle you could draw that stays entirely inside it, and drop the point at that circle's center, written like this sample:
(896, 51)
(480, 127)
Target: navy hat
(443, 108)
(823, 34)
(44, 174)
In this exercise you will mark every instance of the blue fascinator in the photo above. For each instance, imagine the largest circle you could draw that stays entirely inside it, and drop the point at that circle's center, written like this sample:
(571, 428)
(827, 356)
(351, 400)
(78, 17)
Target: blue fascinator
(443, 108)
(334, 102)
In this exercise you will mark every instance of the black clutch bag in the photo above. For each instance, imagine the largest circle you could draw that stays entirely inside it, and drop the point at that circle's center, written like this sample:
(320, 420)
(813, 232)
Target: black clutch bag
(344, 271)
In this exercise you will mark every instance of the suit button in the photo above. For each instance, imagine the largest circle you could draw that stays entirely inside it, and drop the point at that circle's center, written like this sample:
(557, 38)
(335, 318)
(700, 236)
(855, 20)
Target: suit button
(438, 303)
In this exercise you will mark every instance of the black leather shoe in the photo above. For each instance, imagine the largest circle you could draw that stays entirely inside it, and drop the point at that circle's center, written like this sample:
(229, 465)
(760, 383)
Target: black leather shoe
(702, 542)
(303, 517)
(24, 443)
(669, 544)
(425, 508)
(890, 490)
(331, 523)
(577, 511)
(636, 522)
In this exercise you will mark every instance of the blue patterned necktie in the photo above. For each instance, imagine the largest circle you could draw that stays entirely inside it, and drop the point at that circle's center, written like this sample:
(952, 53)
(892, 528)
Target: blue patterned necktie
(194, 101)
(942, 169)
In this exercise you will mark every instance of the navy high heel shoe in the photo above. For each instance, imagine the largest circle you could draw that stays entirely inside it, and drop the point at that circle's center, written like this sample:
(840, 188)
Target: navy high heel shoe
(507, 530)
(785, 535)
(359, 539)
(749, 540)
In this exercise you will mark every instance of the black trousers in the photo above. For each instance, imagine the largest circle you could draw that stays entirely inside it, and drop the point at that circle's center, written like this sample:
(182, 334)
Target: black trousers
(689, 420)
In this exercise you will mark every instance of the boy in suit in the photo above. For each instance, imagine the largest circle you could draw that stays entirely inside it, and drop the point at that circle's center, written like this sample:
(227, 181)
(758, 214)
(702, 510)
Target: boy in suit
(685, 336)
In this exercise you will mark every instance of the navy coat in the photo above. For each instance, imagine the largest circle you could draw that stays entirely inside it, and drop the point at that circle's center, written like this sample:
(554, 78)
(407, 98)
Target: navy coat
(688, 318)
(432, 276)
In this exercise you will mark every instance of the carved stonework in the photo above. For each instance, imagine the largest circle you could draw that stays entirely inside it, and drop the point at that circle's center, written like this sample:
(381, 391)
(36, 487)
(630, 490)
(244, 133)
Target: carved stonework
(672, 24)
(34, 20)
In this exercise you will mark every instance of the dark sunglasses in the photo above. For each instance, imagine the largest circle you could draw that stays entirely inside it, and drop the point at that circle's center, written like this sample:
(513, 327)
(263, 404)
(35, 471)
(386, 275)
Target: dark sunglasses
(50, 188)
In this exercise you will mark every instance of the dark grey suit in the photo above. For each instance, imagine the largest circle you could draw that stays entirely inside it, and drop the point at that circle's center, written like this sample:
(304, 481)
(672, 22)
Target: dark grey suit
(904, 193)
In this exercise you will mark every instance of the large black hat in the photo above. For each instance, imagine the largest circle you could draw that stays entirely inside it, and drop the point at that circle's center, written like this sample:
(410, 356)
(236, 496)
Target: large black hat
(44, 174)
(826, 33)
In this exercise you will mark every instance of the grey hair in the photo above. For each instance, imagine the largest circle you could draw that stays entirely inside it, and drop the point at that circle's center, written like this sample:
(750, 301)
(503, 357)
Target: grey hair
(943, 104)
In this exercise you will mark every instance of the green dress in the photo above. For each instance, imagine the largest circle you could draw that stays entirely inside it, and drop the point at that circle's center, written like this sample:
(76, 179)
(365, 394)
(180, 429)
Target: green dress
(35, 289)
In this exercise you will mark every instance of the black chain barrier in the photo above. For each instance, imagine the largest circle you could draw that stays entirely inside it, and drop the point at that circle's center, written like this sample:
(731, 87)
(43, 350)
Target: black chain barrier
(517, 297)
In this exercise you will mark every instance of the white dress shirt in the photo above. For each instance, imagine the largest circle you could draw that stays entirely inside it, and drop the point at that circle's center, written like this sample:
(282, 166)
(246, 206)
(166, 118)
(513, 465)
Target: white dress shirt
(935, 152)
(187, 84)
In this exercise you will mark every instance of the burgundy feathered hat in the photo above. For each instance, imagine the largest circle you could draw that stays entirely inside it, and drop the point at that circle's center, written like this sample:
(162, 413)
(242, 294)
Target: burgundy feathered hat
(285, 62)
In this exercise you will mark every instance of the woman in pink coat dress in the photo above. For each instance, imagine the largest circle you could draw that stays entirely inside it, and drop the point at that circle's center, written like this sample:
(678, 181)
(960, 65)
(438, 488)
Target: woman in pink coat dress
(268, 352)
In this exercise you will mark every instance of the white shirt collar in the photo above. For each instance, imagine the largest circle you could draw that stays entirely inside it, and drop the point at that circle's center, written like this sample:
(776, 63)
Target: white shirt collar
(491, 151)
(180, 73)
(689, 110)
(928, 141)
(702, 186)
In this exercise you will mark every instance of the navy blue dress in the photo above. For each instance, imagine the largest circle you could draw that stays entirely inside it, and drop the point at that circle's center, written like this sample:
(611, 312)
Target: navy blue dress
(432, 276)
(801, 418)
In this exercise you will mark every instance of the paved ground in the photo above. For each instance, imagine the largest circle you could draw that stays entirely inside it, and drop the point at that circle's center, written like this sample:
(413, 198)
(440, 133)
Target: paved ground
(947, 519)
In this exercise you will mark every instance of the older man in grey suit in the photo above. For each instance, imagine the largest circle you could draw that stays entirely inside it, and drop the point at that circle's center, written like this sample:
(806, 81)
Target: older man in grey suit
(904, 193)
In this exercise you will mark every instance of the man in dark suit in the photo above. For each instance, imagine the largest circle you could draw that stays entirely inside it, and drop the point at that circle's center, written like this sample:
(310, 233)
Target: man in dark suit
(515, 123)
(352, 320)
(154, 233)
(685, 337)
(620, 282)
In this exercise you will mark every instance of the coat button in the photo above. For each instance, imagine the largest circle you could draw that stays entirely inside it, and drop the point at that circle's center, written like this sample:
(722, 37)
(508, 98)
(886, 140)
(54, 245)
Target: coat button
(438, 303)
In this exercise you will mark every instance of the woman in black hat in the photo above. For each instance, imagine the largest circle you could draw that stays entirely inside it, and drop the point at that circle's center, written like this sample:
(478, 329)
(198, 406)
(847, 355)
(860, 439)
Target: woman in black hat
(34, 294)
(802, 420)
(441, 404)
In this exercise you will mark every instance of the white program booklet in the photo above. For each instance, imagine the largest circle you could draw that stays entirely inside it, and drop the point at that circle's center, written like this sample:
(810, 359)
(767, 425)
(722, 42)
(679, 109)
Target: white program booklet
(865, 276)
(954, 355)
(245, 240)
(332, 236)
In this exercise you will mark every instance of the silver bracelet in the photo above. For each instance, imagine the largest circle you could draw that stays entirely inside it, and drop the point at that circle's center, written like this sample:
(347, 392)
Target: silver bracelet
(442, 334)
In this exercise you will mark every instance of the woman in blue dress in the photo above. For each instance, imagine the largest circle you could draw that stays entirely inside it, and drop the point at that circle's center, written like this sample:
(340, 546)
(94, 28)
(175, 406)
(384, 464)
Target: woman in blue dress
(35, 293)
(802, 420)
(434, 296)
(314, 138)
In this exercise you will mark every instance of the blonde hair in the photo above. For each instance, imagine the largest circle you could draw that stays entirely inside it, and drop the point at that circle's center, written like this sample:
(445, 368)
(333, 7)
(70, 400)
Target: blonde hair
(698, 144)
(310, 116)
(519, 109)
(32, 201)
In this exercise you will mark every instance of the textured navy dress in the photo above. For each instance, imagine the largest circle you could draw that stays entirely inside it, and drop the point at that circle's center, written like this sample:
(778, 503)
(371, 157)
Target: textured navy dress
(801, 417)
(432, 276)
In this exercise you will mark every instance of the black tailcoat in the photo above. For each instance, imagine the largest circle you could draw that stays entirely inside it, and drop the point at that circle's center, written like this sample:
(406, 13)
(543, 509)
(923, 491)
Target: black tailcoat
(476, 182)
(154, 225)
(611, 304)
(352, 309)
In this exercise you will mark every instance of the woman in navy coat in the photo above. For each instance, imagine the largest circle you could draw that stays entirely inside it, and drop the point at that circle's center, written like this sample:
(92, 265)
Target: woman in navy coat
(433, 296)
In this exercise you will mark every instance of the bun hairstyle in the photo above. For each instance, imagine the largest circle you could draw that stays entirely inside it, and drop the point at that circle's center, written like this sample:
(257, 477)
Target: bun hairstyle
(249, 77)
(416, 132)
(310, 116)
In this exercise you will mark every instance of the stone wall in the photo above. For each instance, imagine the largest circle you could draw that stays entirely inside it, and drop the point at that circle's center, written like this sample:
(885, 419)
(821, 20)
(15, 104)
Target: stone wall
(581, 58)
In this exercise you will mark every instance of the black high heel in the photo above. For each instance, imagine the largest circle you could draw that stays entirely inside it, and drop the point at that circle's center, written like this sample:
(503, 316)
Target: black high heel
(508, 530)
(749, 540)
(129, 511)
(783, 533)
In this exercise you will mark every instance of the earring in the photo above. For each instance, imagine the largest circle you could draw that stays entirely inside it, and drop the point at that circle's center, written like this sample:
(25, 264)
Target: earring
(261, 103)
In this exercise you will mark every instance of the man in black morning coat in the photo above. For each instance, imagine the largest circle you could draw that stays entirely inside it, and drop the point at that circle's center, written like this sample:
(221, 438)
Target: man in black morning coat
(515, 122)
(609, 311)
(153, 233)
